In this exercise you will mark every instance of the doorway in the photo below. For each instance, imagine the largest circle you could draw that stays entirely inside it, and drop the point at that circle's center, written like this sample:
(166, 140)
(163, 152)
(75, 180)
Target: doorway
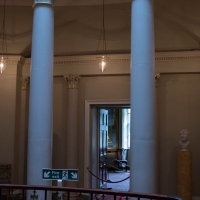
(91, 152)
(114, 144)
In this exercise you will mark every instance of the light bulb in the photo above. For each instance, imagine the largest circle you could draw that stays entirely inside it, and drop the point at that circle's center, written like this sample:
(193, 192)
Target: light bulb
(2, 64)
(102, 63)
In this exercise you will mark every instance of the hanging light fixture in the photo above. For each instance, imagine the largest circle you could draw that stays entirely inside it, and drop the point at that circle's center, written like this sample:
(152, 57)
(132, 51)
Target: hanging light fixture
(4, 57)
(103, 58)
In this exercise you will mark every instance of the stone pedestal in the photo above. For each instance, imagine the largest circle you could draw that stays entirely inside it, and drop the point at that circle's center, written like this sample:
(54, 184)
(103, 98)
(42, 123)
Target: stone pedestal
(185, 175)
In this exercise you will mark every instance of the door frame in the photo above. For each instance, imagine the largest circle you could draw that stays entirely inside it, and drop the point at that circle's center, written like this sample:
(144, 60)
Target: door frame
(91, 127)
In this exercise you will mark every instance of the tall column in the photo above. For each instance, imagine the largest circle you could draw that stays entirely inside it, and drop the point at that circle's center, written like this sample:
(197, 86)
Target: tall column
(72, 125)
(41, 98)
(143, 133)
(22, 137)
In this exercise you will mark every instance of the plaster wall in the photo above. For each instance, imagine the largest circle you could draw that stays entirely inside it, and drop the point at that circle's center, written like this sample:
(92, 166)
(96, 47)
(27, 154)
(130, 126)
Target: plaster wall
(10, 117)
(91, 88)
(7, 116)
(59, 123)
(179, 108)
(177, 98)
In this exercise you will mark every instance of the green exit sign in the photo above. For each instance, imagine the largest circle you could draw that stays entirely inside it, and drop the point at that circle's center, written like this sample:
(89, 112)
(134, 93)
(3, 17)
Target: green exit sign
(60, 174)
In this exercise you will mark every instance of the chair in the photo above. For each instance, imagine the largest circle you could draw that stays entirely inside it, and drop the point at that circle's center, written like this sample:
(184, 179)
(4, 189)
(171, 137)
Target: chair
(121, 160)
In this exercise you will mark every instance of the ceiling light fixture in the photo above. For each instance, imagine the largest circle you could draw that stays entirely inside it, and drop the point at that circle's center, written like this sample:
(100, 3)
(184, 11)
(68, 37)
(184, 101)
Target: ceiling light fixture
(4, 57)
(102, 58)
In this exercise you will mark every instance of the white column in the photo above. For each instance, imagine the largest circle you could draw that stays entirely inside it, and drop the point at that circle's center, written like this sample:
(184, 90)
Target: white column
(143, 134)
(41, 89)
(72, 125)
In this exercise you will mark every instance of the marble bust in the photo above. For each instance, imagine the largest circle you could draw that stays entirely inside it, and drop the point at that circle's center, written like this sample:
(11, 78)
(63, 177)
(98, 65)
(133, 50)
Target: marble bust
(184, 142)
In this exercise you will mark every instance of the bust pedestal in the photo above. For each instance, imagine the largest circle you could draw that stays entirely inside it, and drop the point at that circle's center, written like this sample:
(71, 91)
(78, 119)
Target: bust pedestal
(185, 175)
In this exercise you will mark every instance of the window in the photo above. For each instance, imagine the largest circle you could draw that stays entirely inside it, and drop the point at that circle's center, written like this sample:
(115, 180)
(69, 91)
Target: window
(126, 116)
(119, 128)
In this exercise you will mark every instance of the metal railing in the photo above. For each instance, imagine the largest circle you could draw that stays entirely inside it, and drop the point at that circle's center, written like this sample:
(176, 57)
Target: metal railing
(90, 194)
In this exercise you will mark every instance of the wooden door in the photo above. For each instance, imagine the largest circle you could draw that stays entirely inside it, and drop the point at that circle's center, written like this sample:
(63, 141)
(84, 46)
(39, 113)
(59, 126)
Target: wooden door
(103, 136)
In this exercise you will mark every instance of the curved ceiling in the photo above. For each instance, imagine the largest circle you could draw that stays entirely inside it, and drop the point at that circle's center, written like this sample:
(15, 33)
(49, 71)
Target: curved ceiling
(63, 2)
(78, 24)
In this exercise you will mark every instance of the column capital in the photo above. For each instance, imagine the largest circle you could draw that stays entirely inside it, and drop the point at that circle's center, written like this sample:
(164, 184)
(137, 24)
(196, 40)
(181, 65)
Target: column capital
(72, 81)
(25, 83)
(51, 2)
(157, 77)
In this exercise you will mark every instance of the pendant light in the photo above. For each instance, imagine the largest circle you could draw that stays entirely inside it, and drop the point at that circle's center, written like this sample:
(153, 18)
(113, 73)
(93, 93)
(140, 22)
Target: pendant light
(102, 38)
(4, 57)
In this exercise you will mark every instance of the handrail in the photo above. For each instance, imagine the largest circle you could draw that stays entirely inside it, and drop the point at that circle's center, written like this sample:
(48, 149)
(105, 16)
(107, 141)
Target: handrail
(90, 191)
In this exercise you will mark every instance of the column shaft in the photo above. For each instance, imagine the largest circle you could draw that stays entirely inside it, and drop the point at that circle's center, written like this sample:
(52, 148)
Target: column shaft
(143, 134)
(72, 133)
(41, 98)
(72, 126)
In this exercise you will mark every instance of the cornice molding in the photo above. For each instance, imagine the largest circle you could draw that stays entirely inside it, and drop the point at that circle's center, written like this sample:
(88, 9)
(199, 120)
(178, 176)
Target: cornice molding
(14, 60)
(120, 58)
(177, 58)
(60, 62)
(88, 61)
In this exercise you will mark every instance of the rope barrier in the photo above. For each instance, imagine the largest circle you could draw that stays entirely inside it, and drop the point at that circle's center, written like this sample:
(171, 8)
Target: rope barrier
(107, 181)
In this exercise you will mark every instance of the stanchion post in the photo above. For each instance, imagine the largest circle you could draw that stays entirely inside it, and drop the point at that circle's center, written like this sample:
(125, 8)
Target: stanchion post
(60, 184)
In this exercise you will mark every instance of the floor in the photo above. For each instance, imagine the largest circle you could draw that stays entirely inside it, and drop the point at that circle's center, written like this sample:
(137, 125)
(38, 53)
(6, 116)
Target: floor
(118, 177)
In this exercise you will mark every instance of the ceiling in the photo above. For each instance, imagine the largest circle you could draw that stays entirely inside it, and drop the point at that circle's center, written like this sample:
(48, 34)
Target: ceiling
(78, 24)
(63, 2)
